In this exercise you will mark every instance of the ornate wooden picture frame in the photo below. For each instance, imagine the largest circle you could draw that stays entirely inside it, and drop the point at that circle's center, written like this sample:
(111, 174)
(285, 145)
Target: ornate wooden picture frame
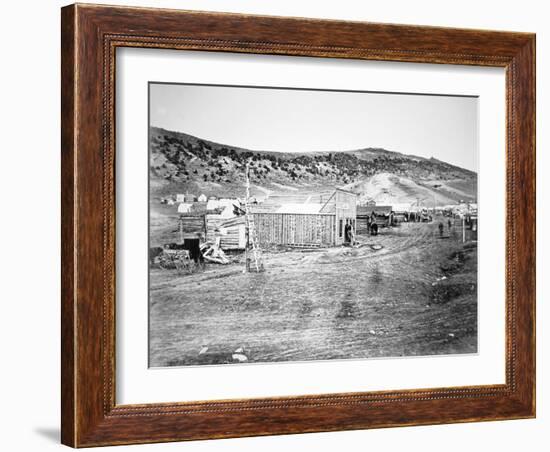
(90, 37)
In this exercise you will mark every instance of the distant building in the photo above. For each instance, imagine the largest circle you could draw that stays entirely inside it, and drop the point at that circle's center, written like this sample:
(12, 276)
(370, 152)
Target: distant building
(382, 217)
(222, 207)
(381, 210)
(403, 207)
(184, 207)
(180, 197)
(202, 198)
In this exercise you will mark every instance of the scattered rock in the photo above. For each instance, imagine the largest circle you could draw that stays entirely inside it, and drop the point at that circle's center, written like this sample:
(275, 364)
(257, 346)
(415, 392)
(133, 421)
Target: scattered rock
(451, 335)
(239, 350)
(372, 332)
(239, 357)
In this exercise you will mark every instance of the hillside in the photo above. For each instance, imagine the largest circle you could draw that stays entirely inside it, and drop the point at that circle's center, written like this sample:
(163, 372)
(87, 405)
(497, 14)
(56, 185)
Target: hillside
(183, 163)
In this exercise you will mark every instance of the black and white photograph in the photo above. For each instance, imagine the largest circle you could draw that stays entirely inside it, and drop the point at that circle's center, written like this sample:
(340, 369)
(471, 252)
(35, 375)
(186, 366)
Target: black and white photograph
(291, 224)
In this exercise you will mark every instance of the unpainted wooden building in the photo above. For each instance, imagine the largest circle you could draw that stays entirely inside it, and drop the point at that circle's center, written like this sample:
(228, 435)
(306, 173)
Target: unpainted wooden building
(343, 205)
(308, 223)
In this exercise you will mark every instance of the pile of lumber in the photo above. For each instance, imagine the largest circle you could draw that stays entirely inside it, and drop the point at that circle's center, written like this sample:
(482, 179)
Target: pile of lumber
(213, 253)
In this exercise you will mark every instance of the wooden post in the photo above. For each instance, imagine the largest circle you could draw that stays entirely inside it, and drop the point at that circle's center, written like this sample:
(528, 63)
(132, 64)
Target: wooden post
(246, 226)
(181, 229)
(247, 246)
(463, 230)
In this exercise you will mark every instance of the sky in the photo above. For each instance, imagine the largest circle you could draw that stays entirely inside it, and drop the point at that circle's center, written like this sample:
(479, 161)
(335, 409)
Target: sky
(297, 120)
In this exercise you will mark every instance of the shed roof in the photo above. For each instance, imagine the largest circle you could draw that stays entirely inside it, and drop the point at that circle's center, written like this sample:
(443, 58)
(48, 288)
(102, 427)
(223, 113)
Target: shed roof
(224, 206)
(402, 207)
(236, 221)
(367, 210)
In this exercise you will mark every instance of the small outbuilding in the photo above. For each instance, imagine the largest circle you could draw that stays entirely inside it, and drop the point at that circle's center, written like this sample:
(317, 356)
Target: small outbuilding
(184, 207)
(232, 234)
(366, 214)
(218, 211)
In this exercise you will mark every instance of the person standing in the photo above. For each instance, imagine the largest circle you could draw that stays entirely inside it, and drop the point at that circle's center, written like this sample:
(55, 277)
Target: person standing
(347, 232)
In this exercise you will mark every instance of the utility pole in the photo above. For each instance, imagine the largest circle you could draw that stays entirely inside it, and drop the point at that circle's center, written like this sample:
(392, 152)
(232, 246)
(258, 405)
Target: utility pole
(463, 229)
(252, 244)
(180, 228)
(246, 227)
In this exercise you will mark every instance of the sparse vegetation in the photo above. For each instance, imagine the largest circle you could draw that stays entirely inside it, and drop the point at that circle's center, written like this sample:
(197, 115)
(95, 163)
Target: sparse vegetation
(185, 161)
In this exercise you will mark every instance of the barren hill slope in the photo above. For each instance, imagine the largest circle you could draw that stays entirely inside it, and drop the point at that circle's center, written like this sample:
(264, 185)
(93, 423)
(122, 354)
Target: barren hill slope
(388, 189)
(182, 163)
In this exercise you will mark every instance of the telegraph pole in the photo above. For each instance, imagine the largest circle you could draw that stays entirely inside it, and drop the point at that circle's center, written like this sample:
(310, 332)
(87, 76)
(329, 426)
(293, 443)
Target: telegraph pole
(180, 228)
(252, 242)
(246, 226)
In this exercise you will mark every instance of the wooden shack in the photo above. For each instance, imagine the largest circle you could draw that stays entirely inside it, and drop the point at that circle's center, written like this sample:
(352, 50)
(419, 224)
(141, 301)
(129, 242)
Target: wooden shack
(309, 223)
(218, 212)
(232, 234)
(191, 226)
(382, 216)
(363, 215)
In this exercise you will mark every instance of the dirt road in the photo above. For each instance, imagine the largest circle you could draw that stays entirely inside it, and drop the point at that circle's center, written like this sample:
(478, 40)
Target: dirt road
(405, 292)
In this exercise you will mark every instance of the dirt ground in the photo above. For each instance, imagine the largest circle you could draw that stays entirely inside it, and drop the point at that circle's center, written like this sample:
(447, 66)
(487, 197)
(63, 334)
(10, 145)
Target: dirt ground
(405, 292)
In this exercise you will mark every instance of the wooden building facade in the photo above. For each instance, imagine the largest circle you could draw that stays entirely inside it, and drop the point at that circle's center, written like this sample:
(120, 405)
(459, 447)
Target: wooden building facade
(295, 228)
(343, 205)
(191, 226)
(324, 225)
